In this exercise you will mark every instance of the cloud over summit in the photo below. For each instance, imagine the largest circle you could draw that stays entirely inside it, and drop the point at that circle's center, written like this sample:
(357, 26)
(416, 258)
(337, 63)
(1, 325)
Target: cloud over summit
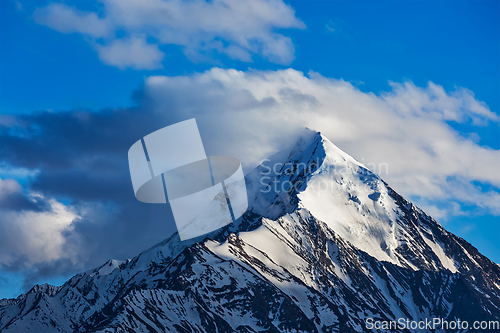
(80, 191)
(407, 128)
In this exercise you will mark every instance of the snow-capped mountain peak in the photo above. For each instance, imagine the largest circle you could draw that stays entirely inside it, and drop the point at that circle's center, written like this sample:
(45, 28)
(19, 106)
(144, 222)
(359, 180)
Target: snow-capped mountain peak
(338, 190)
(325, 244)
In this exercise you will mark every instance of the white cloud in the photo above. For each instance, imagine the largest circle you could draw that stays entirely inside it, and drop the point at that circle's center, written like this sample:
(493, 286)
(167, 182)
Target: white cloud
(251, 114)
(9, 173)
(8, 187)
(33, 237)
(133, 52)
(71, 20)
(238, 29)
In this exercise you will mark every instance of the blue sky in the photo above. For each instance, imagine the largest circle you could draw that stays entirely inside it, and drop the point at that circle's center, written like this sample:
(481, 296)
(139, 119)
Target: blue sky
(54, 70)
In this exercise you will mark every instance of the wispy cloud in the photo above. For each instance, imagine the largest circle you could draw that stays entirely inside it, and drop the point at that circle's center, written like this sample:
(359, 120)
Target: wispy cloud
(133, 52)
(333, 26)
(71, 20)
(237, 29)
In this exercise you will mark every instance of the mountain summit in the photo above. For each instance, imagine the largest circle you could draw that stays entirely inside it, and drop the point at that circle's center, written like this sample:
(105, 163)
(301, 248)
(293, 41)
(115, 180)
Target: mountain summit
(326, 245)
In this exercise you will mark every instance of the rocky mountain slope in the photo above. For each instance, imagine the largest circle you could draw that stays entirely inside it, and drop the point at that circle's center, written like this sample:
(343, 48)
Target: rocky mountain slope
(326, 245)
